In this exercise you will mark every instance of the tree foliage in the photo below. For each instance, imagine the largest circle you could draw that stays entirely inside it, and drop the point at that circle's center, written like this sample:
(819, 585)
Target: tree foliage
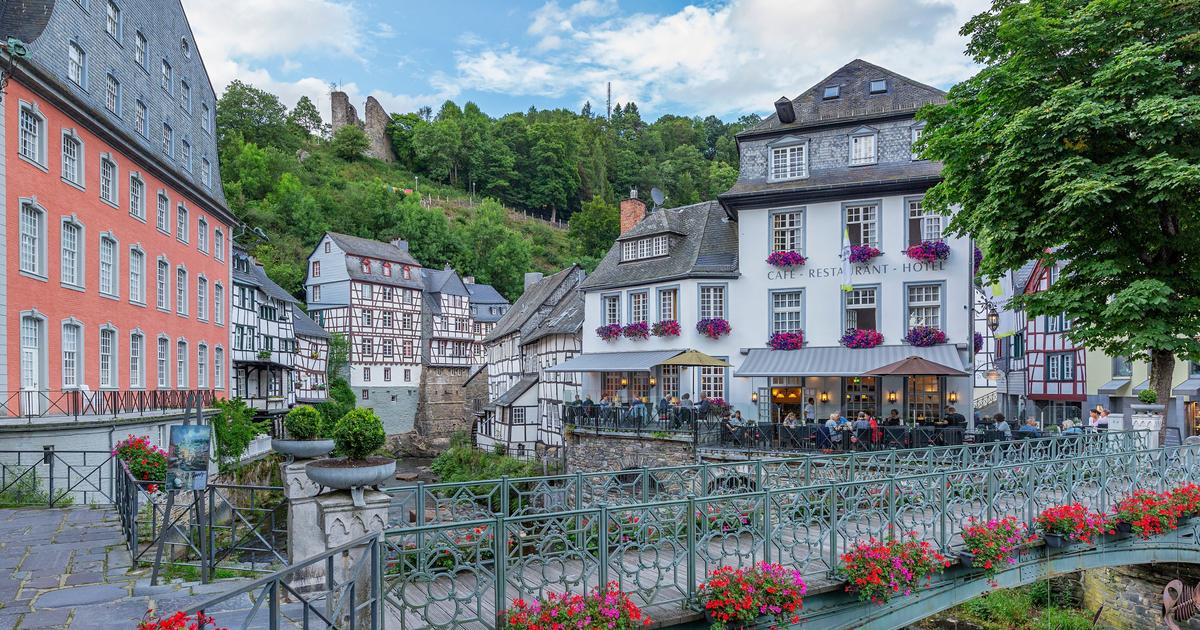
(350, 142)
(1076, 143)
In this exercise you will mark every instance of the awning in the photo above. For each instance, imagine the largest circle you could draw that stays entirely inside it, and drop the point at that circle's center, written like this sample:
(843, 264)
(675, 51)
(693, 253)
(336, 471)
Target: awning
(1190, 387)
(614, 361)
(838, 360)
(1142, 387)
(1113, 386)
(520, 387)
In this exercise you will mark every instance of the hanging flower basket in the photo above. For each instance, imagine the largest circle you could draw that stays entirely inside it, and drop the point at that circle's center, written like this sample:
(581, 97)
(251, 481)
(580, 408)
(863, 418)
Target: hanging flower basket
(609, 332)
(636, 330)
(666, 328)
(713, 327)
(878, 570)
(928, 251)
(862, 254)
(786, 259)
(572, 610)
(1071, 523)
(860, 338)
(762, 595)
(978, 342)
(924, 336)
(786, 340)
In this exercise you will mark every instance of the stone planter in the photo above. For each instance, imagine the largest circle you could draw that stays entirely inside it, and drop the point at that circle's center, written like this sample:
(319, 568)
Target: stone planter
(1053, 541)
(967, 559)
(1143, 408)
(340, 474)
(302, 449)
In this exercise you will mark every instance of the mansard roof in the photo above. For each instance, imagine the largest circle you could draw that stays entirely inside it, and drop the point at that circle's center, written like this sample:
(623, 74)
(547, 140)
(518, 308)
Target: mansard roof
(357, 248)
(880, 179)
(531, 301)
(565, 319)
(445, 281)
(305, 326)
(706, 247)
(854, 101)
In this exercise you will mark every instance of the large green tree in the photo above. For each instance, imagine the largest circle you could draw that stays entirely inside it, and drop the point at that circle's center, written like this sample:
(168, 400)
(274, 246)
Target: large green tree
(1079, 143)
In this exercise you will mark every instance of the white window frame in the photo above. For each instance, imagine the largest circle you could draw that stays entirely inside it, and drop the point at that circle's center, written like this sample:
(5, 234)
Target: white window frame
(137, 360)
(166, 77)
(219, 304)
(202, 298)
(32, 254)
(202, 235)
(168, 139)
(639, 306)
(788, 161)
(712, 382)
(924, 305)
(864, 148)
(71, 352)
(914, 136)
(76, 64)
(162, 212)
(861, 298)
(31, 143)
(181, 223)
(928, 224)
(112, 20)
(185, 154)
(73, 156)
(1060, 367)
(139, 49)
(162, 285)
(219, 367)
(110, 189)
(108, 358)
(137, 197)
(787, 230)
(137, 276)
(668, 304)
(76, 275)
(713, 300)
(181, 291)
(202, 366)
(866, 217)
(219, 244)
(611, 309)
(787, 311)
(162, 362)
(181, 361)
(140, 118)
(109, 265)
(112, 94)
(185, 96)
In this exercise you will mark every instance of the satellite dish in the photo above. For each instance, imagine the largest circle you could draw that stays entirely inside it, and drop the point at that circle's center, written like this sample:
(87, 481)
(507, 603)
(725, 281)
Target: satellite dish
(658, 196)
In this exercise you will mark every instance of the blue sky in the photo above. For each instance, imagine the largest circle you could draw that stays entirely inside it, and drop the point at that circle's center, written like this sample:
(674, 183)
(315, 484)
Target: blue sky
(715, 57)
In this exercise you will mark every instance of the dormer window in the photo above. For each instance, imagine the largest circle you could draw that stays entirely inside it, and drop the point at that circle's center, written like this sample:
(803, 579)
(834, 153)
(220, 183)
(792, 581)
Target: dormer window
(916, 135)
(407, 272)
(879, 86)
(387, 269)
(366, 265)
(789, 160)
(832, 92)
(863, 147)
(649, 247)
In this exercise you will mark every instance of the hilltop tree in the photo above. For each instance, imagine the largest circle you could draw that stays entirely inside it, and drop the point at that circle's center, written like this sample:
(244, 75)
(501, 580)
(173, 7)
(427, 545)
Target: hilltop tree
(1077, 143)
(255, 115)
(349, 142)
(306, 117)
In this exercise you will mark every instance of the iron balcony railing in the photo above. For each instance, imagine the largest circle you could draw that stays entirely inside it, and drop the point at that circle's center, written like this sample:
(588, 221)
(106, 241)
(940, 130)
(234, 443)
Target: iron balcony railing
(56, 478)
(76, 403)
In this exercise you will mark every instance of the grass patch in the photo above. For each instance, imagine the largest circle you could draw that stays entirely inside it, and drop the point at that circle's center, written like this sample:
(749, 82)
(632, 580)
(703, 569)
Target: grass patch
(1033, 607)
(189, 573)
(27, 490)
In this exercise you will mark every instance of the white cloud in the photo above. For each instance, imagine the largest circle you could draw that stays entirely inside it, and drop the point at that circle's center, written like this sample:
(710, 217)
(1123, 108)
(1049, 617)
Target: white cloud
(383, 30)
(272, 28)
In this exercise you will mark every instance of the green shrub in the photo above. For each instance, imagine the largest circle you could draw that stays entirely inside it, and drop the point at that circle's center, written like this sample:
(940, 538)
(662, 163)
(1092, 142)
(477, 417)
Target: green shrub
(1148, 397)
(358, 434)
(341, 401)
(305, 423)
(233, 429)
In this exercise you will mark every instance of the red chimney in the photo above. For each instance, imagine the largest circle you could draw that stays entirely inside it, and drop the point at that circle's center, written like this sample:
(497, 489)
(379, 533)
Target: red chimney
(633, 210)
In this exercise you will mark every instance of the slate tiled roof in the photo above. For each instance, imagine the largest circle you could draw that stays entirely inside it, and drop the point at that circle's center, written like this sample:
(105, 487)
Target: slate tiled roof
(565, 319)
(514, 392)
(705, 246)
(484, 296)
(24, 19)
(305, 326)
(528, 304)
(834, 179)
(357, 248)
(257, 277)
(854, 101)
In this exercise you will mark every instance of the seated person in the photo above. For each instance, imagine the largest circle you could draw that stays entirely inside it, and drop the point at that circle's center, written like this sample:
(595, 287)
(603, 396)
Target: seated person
(1030, 428)
(790, 420)
(863, 422)
(1069, 428)
(1001, 425)
(893, 419)
(955, 419)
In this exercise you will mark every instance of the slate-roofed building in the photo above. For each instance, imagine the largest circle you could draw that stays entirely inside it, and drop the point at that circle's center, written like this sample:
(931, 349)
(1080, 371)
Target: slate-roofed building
(487, 307)
(312, 357)
(263, 338)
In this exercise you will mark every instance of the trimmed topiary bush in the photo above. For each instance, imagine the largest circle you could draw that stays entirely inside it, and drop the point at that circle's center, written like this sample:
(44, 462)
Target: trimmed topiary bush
(1148, 397)
(358, 434)
(305, 423)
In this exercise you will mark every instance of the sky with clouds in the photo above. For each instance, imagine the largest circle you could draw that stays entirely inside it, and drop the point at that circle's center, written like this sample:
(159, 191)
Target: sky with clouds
(707, 57)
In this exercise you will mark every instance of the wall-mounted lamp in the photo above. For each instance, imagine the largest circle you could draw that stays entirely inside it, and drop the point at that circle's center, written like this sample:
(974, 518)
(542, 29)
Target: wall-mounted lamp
(993, 374)
(892, 396)
(653, 381)
(993, 319)
(952, 397)
(824, 397)
(624, 381)
(754, 397)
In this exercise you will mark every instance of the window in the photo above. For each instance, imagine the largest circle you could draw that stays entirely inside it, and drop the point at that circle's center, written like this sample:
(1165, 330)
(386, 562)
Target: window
(164, 376)
(639, 307)
(185, 96)
(33, 243)
(1057, 323)
(365, 265)
(1122, 367)
(32, 142)
(712, 382)
(185, 154)
(75, 64)
(879, 86)
(861, 309)
(368, 319)
(316, 269)
(367, 374)
(160, 219)
(328, 247)
(612, 309)
(181, 223)
(137, 365)
(202, 298)
(181, 291)
(202, 366)
(108, 181)
(922, 224)
(1060, 366)
(862, 149)
(137, 276)
(787, 311)
(669, 380)
(407, 376)
(925, 305)
(139, 49)
(862, 225)
(789, 162)
(161, 283)
(72, 159)
(831, 92)
(137, 197)
(389, 348)
(139, 118)
(219, 367)
(644, 248)
(167, 139)
(112, 24)
(219, 304)
(387, 269)
(386, 316)
(368, 292)
(164, 80)
(72, 259)
(205, 118)
(112, 94)
(185, 48)
(108, 360)
(316, 293)
(712, 302)
(219, 244)
(368, 347)
(787, 231)
(108, 266)
(202, 235)
(181, 355)
(205, 173)
(407, 348)
(916, 135)
(72, 370)
(668, 304)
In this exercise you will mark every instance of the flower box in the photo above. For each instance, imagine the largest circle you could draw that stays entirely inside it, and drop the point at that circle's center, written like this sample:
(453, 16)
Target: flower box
(1056, 541)
(786, 340)
(666, 328)
(609, 332)
(177, 621)
(966, 559)
(636, 330)
(861, 338)
(993, 544)
(928, 251)
(759, 596)
(568, 610)
(1187, 499)
(862, 254)
(713, 327)
(1072, 523)
(924, 336)
(878, 570)
(1147, 513)
(786, 259)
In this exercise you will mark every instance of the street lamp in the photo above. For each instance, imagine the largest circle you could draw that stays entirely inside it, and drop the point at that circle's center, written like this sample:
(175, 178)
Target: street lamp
(993, 319)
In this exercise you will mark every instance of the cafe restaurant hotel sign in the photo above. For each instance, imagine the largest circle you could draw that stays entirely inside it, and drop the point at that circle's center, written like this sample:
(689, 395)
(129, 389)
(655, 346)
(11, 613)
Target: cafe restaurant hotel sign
(857, 270)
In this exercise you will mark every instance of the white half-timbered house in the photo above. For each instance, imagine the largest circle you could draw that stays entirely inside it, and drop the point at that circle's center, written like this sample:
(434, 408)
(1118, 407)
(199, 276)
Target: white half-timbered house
(447, 337)
(263, 338)
(556, 338)
(312, 356)
(487, 307)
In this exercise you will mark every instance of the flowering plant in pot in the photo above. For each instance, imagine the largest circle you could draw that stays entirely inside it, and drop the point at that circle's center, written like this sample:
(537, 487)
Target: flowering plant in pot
(928, 251)
(636, 330)
(786, 340)
(1062, 525)
(862, 254)
(745, 598)
(177, 621)
(992, 544)
(609, 332)
(786, 259)
(924, 336)
(861, 338)
(878, 570)
(666, 328)
(720, 405)
(1146, 513)
(1186, 498)
(145, 462)
(608, 607)
(357, 435)
(713, 327)
(308, 436)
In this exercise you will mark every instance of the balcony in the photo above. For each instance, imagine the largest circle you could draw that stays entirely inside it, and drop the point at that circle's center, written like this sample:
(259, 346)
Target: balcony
(79, 404)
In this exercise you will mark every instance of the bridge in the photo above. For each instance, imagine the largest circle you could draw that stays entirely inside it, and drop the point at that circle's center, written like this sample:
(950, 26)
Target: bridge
(456, 554)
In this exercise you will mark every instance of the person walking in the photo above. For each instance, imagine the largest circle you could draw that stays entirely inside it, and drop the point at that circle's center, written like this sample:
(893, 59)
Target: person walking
(808, 412)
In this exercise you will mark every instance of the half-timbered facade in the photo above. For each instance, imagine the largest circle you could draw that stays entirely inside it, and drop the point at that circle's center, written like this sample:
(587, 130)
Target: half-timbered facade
(447, 335)
(1056, 368)
(1009, 346)
(487, 307)
(555, 339)
(263, 338)
(312, 357)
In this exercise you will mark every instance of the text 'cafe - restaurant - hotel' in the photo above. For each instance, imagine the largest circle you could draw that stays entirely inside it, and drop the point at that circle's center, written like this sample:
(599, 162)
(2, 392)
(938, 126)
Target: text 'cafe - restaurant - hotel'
(819, 265)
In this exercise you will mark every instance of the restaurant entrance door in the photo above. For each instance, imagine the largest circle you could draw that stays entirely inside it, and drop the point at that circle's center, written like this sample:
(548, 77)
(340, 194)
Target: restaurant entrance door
(787, 396)
(1191, 413)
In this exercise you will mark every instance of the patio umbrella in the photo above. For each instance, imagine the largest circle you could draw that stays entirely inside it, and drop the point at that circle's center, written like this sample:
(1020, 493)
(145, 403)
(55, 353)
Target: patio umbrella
(915, 366)
(696, 358)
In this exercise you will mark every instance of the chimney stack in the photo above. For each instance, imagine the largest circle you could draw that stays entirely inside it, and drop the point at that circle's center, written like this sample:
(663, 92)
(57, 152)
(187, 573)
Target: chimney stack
(633, 210)
(532, 278)
(783, 108)
(400, 244)
(468, 279)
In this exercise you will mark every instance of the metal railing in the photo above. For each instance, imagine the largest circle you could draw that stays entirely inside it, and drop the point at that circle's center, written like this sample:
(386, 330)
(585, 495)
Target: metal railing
(54, 478)
(73, 403)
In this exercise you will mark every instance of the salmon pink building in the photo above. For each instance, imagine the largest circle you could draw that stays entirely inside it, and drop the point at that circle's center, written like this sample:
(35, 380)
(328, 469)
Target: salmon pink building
(114, 234)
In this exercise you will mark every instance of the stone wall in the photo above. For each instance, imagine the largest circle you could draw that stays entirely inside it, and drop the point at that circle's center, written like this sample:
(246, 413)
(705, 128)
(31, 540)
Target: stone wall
(591, 452)
(342, 113)
(395, 406)
(440, 412)
(1131, 597)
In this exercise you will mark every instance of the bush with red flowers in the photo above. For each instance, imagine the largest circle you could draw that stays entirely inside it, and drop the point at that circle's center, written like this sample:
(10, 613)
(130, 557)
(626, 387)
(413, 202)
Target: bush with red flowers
(879, 570)
(786, 259)
(636, 330)
(609, 332)
(741, 597)
(713, 327)
(993, 543)
(1186, 498)
(924, 336)
(1073, 522)
(1148, 513)
(666, 328)
(145, 462)
(861, 254)
(861, 338)
(177, 621)
(786, 340)
(602, 608)
(928, 251)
